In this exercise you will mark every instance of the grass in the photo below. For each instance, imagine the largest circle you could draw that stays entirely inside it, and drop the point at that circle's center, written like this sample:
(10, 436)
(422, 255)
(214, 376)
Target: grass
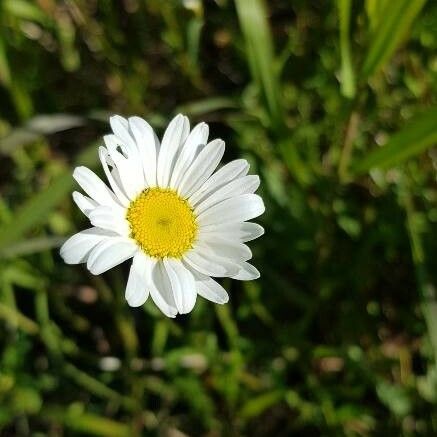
(335, 108)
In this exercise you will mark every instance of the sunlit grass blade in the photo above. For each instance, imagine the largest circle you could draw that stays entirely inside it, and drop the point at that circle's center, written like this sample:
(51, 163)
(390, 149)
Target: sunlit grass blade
(252, 15)
(253, 21)
(347, 72)
(418, 135)
(390, 32)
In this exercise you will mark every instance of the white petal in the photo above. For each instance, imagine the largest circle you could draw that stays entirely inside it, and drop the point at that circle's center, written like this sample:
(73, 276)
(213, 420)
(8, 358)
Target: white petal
(116, 186)
(247, 272)
(116, 175)
(130, 169)
(94, 186)
(243, 232)
(132, 177)
(251, 231)
(225, 248)
(120, 127)
(198, 137)
(182, 283)
(85, 204)
(160, 289)
(202, 168)
(244, 185)
(115, 147)
(232, 170)
(137, 291)
(77, 248)
(235, 209)
(110, 253)
(112, 219)
(174, 136)
(211, 290)
(204, 261)
(148, 146)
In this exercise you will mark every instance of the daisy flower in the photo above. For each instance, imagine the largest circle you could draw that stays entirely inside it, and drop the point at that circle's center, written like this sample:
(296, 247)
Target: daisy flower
(170, 209)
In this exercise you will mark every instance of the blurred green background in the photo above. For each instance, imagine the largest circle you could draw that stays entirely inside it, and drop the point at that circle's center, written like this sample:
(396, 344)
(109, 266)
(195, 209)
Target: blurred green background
(335, 106)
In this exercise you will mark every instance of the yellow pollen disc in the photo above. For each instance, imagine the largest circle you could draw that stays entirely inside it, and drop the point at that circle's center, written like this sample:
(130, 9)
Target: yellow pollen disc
(162, 223)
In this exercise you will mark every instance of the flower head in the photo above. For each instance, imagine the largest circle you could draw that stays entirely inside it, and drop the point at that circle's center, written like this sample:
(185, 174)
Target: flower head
(168, 208)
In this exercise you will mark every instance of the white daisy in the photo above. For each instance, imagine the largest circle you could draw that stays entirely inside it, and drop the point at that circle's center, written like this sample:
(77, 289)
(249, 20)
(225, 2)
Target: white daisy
(181, 221)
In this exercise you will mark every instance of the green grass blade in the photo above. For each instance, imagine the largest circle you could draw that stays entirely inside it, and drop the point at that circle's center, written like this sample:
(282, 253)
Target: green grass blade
(15, 318)
(418, 135)
(194, 34)
(40, 125)
(36, 209)
(374, 10)
(25, 10)
(96, 387)
(205, 106)
(347, 72)
(66, 33)
(5, 72)
(390, 32)
(30, 246)
(425, 286)
(253, 20)
(257, 405)
(76, 419)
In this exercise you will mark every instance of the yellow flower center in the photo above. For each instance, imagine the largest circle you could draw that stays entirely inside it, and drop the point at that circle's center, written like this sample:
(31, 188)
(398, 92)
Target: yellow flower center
(162, 223)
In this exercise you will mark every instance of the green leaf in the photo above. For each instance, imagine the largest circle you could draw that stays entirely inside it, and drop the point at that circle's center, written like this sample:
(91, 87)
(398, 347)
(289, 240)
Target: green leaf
(347, 72)
(253, 20)
(390, 32)
(418, 135)
(25, 400)
(394, 397)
